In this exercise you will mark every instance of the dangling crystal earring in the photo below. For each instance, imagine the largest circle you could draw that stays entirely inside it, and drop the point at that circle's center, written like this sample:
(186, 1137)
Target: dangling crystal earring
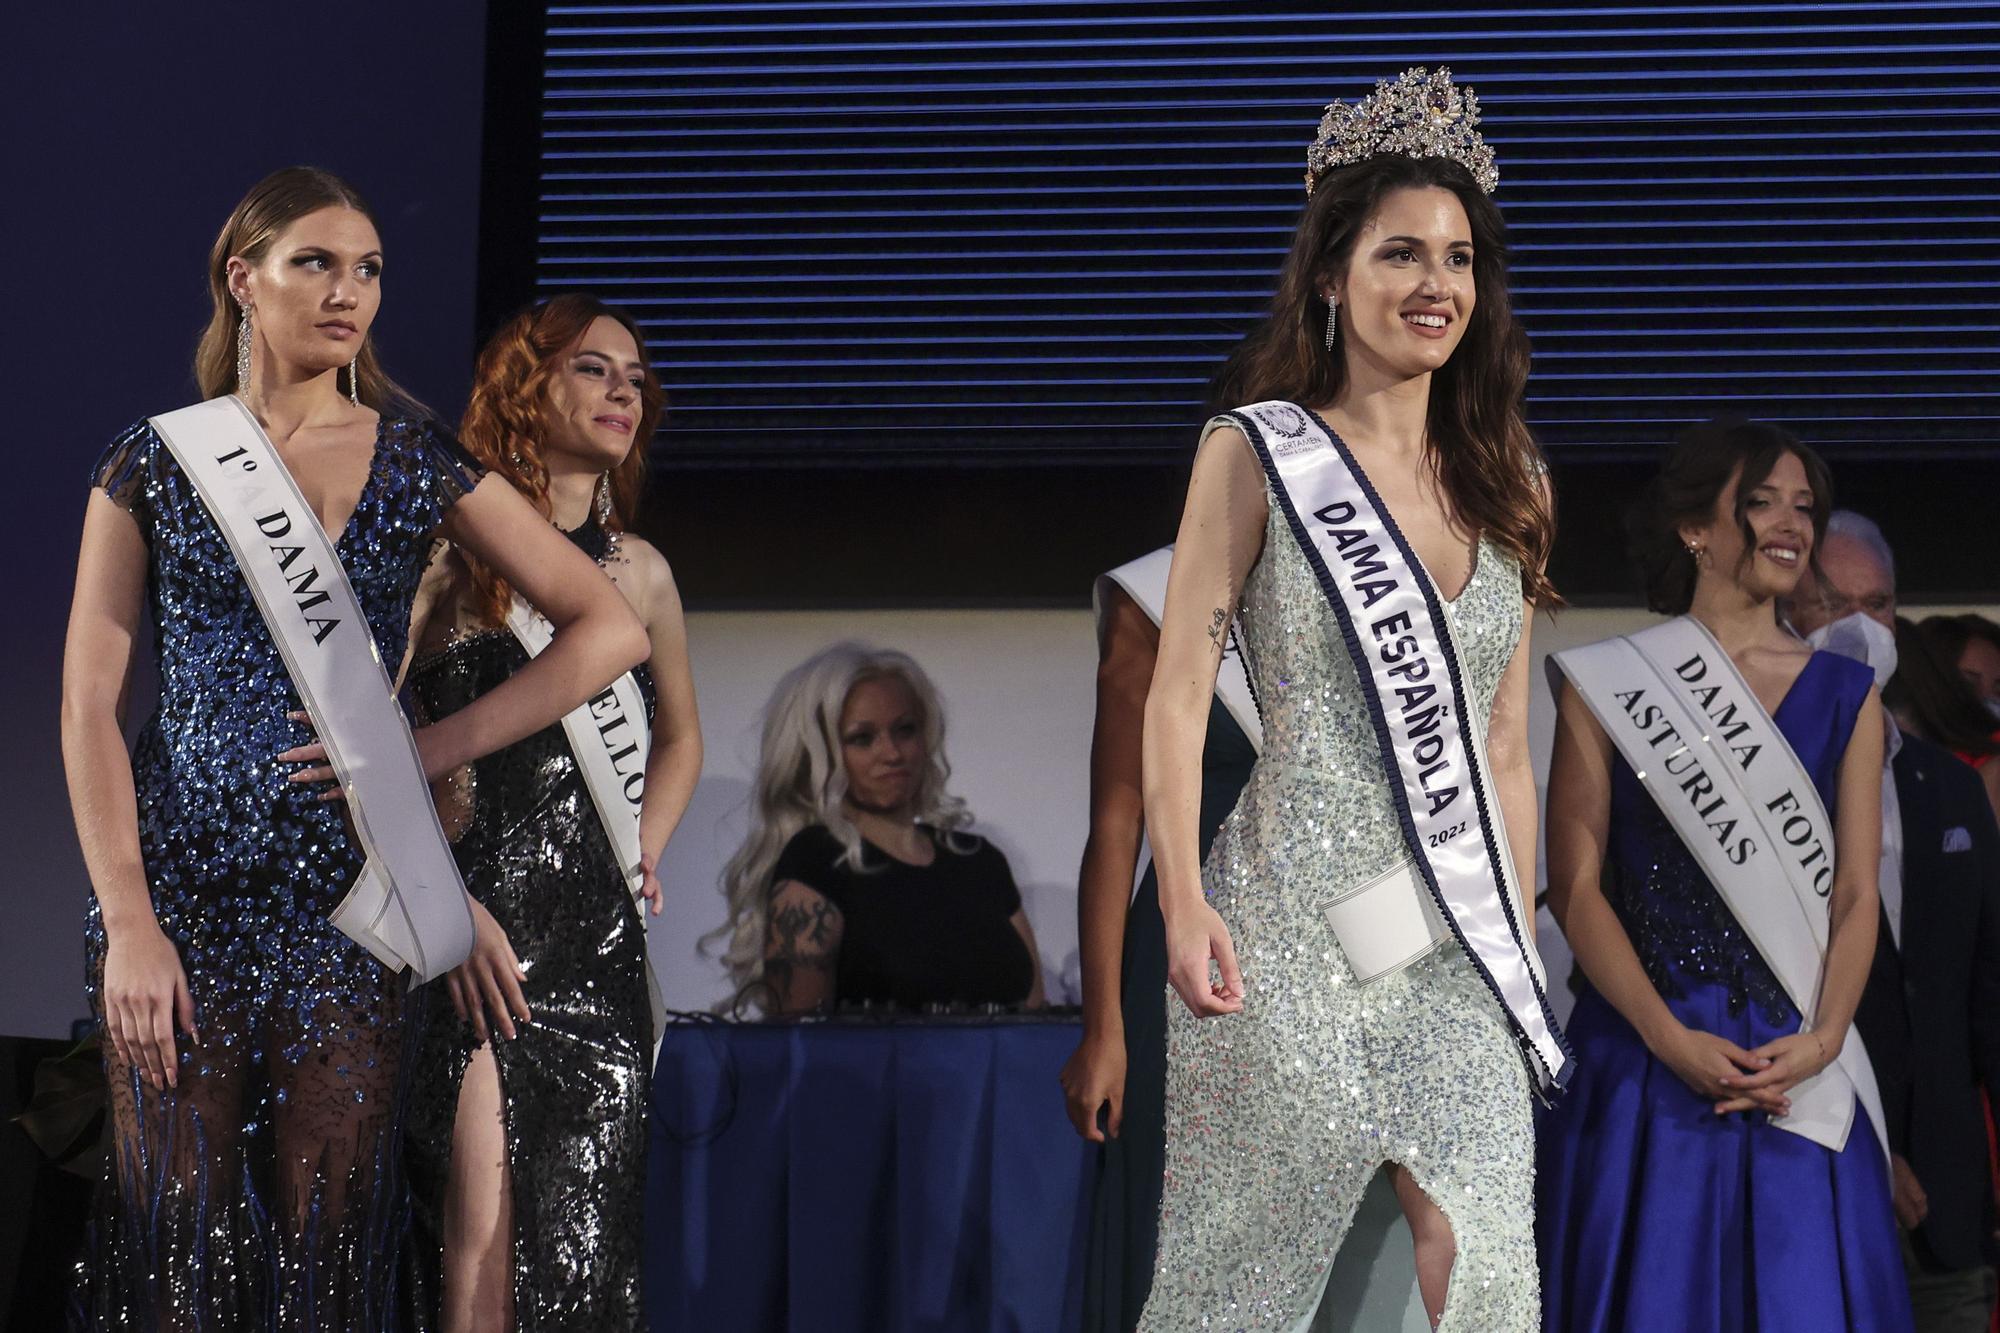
(354, 381)
(1332, 323)
(243, 353)
(604, 514)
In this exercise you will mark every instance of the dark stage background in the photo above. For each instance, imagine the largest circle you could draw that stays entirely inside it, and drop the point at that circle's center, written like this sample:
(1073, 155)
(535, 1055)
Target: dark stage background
(953, 275)
(131, 131)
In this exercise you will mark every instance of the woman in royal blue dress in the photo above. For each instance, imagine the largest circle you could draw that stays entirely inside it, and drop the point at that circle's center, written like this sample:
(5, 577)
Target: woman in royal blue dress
(1677, 1187)
(252, 1048)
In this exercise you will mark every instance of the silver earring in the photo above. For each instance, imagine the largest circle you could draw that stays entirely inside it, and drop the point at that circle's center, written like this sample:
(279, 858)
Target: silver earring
(243, 354)
(354, 381)
(604, 515)
(1332, 323)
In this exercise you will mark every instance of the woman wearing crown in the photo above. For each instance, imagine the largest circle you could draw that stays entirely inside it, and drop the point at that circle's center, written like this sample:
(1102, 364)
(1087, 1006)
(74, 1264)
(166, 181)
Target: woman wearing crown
(1377, 515)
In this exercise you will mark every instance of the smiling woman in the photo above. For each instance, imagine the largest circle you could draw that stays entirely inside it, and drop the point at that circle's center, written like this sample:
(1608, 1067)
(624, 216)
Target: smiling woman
(1374, 510)
(530, 1070)
(1715, 828)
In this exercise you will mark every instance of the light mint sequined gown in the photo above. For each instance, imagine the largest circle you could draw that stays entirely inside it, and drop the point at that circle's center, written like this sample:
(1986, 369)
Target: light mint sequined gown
(1278, 1116)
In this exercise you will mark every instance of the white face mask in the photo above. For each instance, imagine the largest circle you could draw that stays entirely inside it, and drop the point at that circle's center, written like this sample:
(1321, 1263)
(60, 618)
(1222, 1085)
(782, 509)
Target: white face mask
(1863, 638)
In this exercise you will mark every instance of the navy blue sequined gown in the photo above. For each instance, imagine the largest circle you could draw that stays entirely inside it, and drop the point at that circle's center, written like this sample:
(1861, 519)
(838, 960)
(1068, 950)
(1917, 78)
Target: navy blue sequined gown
(574, 1081)
(1656, 1215)
(264, 1193)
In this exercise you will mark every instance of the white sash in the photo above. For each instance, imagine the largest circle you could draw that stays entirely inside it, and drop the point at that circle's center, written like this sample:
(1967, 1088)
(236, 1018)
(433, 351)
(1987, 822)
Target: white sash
(1395, 629)
(611, 740)
(1722, 773)
(408, 907)
(1145, 581)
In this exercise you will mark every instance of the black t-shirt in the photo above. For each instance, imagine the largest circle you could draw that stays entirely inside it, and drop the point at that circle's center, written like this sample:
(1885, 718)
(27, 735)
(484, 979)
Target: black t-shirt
(918, 935)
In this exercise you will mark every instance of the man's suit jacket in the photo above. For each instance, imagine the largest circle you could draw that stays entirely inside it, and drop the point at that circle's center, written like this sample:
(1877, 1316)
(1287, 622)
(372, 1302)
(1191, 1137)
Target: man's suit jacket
(1930, 1015)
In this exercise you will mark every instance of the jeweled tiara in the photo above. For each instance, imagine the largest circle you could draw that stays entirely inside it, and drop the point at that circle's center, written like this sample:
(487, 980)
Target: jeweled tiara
(1420, 114)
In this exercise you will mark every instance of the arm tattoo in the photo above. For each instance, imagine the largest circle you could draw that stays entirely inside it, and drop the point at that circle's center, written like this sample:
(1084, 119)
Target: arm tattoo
(1218, 627)
(801, 941)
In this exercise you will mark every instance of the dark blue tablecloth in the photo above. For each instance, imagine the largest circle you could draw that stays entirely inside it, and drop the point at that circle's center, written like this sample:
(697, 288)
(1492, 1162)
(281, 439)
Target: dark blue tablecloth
(877, 1178)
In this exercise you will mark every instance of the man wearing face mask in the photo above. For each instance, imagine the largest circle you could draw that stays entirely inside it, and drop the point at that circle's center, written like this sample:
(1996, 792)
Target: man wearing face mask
(1930, 1015)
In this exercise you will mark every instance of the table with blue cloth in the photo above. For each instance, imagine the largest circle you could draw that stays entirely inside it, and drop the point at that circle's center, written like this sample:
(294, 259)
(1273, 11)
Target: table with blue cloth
(865, 1175)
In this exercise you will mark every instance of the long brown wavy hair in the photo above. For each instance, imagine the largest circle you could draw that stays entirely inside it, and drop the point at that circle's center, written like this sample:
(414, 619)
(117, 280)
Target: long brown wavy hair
(1485, 459)
(273, 204)
(507, 418)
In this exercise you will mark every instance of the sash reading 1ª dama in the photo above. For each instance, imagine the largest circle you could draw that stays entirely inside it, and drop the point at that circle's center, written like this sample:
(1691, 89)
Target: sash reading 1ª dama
(1731, 785)
(611, 739)
(1393, 625)
(409, 906)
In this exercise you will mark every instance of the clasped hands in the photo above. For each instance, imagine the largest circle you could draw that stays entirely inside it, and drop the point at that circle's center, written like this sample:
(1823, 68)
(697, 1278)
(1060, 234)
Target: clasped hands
(1739, 1080)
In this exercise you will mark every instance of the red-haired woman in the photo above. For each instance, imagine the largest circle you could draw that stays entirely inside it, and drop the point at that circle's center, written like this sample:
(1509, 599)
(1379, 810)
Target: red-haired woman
(526, 1130)
(273, 538)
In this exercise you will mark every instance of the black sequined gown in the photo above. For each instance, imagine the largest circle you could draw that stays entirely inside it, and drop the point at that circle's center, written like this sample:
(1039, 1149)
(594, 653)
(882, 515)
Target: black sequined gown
(574, 1082)
(264, 1193)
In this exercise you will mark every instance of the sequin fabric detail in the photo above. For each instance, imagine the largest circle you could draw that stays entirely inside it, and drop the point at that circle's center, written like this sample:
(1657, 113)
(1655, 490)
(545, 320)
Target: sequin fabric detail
(266, 1191)
(1277, 1117)
(574, 1083)
(1678, 924)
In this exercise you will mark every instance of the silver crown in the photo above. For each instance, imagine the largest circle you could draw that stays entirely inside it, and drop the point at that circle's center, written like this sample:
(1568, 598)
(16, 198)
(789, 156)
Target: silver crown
(1420, 114)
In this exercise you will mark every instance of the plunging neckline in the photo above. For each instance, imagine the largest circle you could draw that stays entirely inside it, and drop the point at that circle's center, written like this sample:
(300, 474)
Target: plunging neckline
(1382, 507)
(338, 539)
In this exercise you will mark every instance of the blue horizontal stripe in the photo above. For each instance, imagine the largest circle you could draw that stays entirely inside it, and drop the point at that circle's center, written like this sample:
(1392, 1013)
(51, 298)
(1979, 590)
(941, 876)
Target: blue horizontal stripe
(1149, 156)
(1314, 80)
(681, 239)
(1690, 382)
(1069, 136)
(1570, 14)
(1262, 276)
(1282, 202)
(1195, 386)
(1067, 315)
(1712, 363)
(1257, 295)
(1322, 63)
(1295, 111)
(556, 226)
(1288, 24)
(1332, 31)
(1527, 262)
(1101, 169)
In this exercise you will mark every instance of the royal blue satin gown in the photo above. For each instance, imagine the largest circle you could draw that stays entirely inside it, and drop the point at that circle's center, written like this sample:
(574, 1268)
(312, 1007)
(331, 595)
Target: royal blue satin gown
(1653, 1213)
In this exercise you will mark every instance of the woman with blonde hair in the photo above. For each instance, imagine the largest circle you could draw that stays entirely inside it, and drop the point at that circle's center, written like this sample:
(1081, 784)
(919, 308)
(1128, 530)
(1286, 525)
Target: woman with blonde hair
(527, 1126)
(858, 882)
(247, 934)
